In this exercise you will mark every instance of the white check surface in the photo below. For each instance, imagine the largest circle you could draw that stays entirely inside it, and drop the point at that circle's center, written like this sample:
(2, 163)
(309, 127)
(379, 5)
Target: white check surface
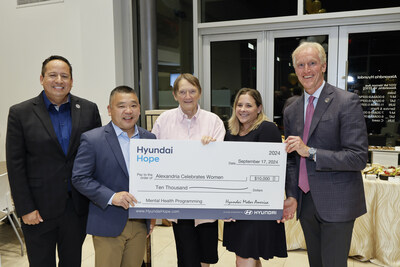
(188, 180)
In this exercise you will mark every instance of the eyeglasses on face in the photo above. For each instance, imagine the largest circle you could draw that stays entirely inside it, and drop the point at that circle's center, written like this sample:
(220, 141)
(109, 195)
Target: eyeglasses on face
(192, 92)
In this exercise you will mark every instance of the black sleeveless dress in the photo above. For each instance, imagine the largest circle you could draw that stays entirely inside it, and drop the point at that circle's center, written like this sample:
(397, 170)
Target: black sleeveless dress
(255, 239)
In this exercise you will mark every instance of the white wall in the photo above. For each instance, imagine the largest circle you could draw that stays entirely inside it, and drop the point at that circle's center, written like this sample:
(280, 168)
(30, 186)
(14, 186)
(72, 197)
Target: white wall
(82, 31)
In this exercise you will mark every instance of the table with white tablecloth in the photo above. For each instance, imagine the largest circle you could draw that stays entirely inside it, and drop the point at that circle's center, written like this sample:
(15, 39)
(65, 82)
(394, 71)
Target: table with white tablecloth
(376, 234)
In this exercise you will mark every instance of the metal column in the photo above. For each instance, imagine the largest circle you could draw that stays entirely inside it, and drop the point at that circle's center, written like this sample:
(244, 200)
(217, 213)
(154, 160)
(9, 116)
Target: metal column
(148, 54)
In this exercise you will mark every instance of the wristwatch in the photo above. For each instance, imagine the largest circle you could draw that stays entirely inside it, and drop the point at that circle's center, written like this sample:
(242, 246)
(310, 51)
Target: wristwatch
(312, 151)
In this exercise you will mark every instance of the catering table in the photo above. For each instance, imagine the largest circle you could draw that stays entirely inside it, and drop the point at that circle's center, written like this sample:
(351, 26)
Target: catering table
(376, 234)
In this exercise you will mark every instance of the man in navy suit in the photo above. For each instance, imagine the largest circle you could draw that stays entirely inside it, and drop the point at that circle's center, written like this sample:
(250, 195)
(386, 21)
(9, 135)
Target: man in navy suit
(327, 147)
(42, 140)
(101, 172)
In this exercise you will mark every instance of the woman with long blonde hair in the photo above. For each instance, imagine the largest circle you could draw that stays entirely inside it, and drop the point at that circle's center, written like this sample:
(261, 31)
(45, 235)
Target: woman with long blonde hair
(250, 240)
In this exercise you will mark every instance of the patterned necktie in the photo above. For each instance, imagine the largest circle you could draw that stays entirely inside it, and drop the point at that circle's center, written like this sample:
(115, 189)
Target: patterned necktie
(303, 177)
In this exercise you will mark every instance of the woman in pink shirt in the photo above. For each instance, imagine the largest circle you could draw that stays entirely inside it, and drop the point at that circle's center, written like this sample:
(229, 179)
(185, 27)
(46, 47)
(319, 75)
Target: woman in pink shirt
(196, 240)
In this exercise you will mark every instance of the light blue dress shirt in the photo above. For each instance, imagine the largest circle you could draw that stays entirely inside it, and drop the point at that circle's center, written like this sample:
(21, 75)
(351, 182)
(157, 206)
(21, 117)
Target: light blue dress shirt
(316, 95)
(124, 142)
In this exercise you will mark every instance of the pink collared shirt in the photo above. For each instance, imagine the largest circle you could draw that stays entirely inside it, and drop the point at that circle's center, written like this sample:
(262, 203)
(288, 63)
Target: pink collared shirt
(174, 124)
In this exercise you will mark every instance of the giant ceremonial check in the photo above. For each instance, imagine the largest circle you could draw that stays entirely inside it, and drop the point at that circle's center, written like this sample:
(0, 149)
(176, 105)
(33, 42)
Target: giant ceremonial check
(188, 180)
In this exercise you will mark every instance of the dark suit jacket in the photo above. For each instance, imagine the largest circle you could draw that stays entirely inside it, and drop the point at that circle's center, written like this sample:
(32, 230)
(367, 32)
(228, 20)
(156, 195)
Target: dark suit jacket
(99, 172)
(38, 169)
(339, 134)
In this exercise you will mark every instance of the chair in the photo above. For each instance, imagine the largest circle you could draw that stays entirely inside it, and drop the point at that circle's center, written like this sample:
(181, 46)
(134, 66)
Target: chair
(7, 207)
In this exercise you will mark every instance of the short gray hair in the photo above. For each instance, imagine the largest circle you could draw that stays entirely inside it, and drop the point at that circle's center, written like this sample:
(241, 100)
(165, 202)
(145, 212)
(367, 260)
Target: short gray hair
(313, 45)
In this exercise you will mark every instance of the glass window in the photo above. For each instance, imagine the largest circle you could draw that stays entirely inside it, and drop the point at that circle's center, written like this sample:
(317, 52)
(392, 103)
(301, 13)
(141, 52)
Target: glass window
(224, 10)
(175, 46)
(322, 6)
(286, 85)
(233, 66)
(373, 73)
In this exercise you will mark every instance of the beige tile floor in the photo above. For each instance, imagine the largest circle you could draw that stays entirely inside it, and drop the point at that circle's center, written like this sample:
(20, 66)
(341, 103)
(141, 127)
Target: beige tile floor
(163, 252)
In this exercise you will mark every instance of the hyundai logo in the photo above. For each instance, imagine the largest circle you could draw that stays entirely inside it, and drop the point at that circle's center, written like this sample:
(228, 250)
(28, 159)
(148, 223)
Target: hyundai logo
(248, 212)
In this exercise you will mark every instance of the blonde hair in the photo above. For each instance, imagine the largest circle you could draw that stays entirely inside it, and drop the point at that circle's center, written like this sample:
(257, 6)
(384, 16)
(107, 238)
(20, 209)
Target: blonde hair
(234, 123)
(313, 45)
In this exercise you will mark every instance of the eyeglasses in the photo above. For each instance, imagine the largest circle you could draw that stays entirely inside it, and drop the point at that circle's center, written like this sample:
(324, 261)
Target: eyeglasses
(192, 92)
(54, 76)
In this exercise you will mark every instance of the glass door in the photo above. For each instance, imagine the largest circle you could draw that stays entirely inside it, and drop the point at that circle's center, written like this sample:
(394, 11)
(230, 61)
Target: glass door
(282, 83)
(231, 62)
(361, 59)
(369, 66)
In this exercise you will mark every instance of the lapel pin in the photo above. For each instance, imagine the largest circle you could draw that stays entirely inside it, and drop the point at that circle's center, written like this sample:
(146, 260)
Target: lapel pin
(327, 100)
(77, 106)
